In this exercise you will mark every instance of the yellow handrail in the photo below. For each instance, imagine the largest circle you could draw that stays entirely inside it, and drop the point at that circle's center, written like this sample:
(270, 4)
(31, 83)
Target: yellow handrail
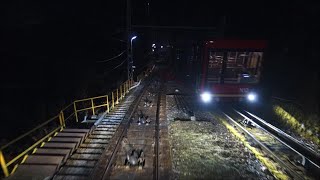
(4, 165)
(84, 109)
(33, 146)
(124, 88)
(102, 105)
(97, 97)
(29, 132)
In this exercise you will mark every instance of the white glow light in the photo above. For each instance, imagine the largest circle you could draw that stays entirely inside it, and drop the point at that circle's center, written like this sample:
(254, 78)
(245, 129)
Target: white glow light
(206, 97)
(252, 97)
(134, 37)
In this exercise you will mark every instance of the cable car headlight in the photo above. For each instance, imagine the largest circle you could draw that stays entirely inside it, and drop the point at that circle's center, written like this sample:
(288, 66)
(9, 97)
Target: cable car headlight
(206, 97)
(252, 97)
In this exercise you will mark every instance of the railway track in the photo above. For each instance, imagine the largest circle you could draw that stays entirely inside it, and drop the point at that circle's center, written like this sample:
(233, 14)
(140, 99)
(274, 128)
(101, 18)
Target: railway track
(310, 155)
(295, 164)
(136, 150)
(183, 104)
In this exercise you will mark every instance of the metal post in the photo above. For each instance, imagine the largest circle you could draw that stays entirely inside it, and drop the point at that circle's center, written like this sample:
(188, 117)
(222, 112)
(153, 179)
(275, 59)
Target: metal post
(92, 106)
(129, 84)
(3, 165)
(117, 96)
(108, 109)
(129, 64)
(127, 89)
(63, 120)
(75, 111)
(112, 97)
(124, 90)
(60, 120)
(120, 92)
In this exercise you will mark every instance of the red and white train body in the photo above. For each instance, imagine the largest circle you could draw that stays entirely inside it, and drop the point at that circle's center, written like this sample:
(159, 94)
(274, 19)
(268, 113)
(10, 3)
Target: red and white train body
(230, 69)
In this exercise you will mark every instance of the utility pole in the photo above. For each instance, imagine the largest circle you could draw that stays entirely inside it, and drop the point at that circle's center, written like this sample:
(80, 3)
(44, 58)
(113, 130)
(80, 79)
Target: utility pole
(129, 52)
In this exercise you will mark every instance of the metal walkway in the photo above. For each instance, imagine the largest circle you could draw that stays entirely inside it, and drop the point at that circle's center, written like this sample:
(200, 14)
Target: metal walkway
(71, 153)
(83, 161)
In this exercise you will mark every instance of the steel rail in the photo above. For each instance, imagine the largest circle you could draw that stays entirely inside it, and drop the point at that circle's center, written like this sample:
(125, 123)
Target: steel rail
(272, 135)
(284, 135)
(291, 171)
(156, 147)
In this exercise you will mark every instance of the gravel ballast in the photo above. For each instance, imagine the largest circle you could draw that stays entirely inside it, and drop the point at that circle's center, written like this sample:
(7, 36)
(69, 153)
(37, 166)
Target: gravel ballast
(207, 150)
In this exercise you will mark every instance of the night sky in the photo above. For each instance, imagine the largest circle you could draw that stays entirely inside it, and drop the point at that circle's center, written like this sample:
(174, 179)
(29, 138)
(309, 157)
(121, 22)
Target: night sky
(49, 49)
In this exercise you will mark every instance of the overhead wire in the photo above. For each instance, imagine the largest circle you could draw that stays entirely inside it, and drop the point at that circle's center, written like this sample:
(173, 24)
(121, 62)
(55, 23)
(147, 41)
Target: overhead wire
(123, 41)
(119, 65)
(107, 60)
(110, 70)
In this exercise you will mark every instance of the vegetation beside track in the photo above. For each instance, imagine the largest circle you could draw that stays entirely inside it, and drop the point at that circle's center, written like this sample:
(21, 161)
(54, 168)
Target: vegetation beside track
(271, 165)
(306, 125)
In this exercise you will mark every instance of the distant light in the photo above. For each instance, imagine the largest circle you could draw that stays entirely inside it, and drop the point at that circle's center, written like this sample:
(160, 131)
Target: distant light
(246, 75)
(211, 41)
(252, 97)
(153, 45)
(206, 97)
(161, 46)
(152, 50)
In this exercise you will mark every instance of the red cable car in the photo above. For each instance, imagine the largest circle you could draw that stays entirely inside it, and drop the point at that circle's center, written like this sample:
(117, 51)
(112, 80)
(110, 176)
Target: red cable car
(230, 69)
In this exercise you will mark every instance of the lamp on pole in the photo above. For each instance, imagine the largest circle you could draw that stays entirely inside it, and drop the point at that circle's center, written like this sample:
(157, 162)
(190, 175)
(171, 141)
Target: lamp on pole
(130, 59)
(133, 38)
